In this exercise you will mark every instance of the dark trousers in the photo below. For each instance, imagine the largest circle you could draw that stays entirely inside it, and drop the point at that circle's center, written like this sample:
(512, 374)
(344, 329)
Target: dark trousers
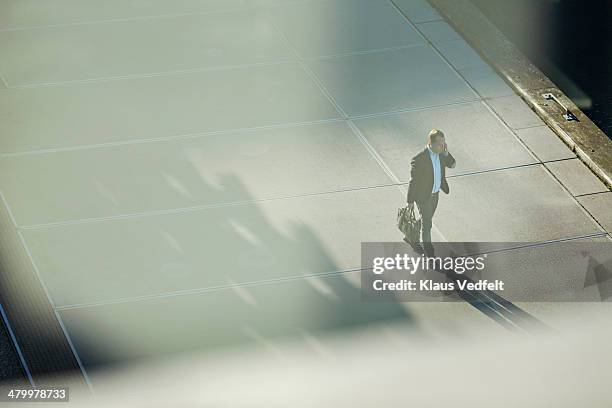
(427, 208)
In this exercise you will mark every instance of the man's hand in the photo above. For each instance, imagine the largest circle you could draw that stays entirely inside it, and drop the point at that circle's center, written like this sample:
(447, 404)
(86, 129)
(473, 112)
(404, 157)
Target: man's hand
(449, 160)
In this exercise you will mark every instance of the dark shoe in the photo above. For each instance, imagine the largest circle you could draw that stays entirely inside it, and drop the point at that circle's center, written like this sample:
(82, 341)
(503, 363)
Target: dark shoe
(429, 249)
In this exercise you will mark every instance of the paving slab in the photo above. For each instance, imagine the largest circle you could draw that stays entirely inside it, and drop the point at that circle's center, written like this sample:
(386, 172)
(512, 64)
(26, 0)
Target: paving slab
(143, 108)
(515, 112)
(144, 46)
(126, 179)
(307, 311)
(260, 315)
(577, 270)
(138, 256)
(576, 177)
(477, 139)
(600, 207)
(438, 31)
(487, 82)
(524, 204)
(390, 81)
(343, 26)
(461, 55)
(544, 143)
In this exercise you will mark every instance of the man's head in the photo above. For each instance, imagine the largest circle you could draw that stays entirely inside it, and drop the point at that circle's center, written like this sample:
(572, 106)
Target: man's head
(436, 141)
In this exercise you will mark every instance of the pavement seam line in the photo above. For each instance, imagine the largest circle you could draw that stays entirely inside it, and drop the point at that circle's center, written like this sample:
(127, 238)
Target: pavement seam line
(203, 207)
(278, 280)
(197, 135)
(22, 360)
(43, 285)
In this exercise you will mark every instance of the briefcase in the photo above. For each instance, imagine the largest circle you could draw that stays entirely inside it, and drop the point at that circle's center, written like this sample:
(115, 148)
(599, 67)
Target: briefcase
(408, 223)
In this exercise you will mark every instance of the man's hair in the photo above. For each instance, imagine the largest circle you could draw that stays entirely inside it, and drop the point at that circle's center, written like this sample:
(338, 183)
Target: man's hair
(433, 134)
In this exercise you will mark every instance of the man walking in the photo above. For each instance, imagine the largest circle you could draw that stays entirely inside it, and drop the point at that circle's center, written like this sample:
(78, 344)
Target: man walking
(427, 178)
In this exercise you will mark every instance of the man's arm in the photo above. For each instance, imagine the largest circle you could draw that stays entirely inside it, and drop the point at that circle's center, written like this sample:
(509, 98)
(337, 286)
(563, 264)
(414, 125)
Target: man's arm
(412, 185)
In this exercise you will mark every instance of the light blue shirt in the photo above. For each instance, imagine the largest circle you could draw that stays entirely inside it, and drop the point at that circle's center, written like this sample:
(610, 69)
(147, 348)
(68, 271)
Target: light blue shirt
(437, 171)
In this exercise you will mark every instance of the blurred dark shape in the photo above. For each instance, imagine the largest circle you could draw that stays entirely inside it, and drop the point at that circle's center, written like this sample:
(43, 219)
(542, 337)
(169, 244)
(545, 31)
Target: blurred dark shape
(570, 41)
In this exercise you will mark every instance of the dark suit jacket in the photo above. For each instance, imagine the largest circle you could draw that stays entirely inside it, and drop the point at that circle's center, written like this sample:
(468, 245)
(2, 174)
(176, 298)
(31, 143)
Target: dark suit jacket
(422, 177)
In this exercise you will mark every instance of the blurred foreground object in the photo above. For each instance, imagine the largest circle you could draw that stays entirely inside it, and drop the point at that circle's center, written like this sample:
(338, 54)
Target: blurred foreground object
(384, 364)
